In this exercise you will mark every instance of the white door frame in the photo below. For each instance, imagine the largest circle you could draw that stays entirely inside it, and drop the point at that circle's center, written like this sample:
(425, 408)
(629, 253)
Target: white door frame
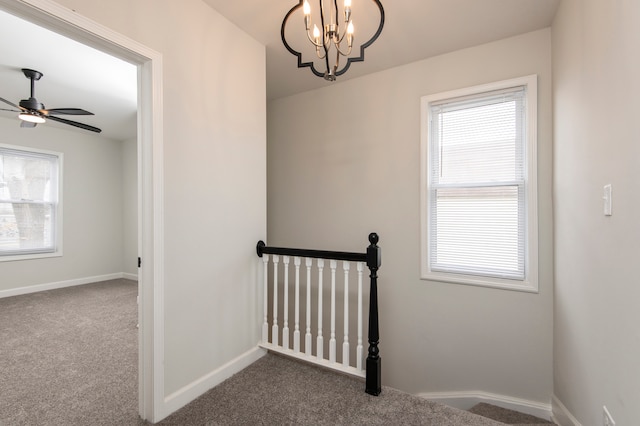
(62, 20)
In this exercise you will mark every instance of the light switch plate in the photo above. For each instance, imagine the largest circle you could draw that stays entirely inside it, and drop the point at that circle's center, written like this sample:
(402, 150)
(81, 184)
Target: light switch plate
(607, 200)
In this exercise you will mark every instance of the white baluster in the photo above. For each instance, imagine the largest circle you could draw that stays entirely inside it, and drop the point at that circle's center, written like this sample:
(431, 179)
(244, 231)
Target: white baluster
(296, 328)
(307, 336)
(332, 340)
(319, 339)
(285, 326)
(359, 358)
(265, 289)
(345, 344)
(274, 327)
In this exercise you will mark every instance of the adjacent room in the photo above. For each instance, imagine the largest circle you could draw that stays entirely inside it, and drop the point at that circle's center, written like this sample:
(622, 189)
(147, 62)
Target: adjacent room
(68, 222)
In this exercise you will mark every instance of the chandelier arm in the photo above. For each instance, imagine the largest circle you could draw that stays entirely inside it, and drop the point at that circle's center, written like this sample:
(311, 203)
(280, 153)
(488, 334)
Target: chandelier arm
(298, 55)
(347, 53)
(321, 5)
(340, 38)
(368, 43)
(326, 61)
(313, 41)
(320, 55)
(325, 40)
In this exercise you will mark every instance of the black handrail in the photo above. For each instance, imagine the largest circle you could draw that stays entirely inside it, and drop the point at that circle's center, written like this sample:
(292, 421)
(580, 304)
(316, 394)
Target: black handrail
(373, 258)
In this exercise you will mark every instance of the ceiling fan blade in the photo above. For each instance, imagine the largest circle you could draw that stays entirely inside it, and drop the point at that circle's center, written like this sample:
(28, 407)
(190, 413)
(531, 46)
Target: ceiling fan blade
(11, 103)
(11, 110)
(27, 124)
(74, 123)
(65, 111)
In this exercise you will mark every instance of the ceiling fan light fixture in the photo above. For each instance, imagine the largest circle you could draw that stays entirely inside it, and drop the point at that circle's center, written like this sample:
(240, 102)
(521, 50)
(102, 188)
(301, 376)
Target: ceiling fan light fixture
(31, 117)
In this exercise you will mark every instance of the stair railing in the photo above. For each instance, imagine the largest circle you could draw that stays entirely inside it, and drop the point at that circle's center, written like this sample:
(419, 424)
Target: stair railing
(280, 338)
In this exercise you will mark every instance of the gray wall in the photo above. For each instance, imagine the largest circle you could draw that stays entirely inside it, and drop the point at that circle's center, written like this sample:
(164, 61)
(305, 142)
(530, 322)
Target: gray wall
(92, 207)
(597, 142)
(344, 161)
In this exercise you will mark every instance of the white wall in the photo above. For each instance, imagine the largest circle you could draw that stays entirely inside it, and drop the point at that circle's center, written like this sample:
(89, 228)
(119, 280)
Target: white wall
(130, 207)
(597, 142)
(344, 161)
(92, 207)
(214, 176)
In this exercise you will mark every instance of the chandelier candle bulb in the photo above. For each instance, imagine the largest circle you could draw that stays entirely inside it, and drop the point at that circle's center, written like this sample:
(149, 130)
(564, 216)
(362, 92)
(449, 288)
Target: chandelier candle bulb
(307, 12)
(316, 34)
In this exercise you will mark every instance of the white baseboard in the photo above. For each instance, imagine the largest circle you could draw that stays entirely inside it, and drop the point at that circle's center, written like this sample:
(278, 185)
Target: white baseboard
(190, 392)
(561, 415)
(324, 363)
(466, 400)
(132, 277)
(62, 284)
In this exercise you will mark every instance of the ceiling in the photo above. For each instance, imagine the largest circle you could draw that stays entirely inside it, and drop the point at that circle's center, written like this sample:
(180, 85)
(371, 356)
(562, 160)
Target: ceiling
(74, 76)
(413, 30)
(85, 78)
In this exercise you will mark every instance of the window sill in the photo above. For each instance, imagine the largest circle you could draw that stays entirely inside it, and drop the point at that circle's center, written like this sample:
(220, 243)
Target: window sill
(526, 286)
(30, 256)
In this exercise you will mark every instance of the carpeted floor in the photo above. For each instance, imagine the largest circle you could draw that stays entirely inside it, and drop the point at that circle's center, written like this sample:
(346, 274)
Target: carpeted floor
(277, 390)
(507, 416)
(69, 357)
(281, 391)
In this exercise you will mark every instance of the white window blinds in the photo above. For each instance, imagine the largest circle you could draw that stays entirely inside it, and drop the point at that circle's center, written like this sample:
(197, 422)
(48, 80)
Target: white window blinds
(28, 202)
(476, 191)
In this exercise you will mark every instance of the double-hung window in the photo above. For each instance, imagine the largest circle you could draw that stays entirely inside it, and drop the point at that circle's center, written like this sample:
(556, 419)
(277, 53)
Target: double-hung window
(479, 201)
(30, 212)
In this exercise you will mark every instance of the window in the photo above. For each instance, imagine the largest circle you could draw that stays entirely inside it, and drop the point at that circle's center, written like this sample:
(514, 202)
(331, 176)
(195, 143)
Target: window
(30, 212)
(479, 196)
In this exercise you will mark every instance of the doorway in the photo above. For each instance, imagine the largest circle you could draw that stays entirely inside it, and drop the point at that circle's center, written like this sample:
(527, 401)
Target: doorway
(63, 21)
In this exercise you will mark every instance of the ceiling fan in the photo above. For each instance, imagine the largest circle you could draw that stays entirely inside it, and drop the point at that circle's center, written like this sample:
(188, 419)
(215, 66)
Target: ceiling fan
(32, 112)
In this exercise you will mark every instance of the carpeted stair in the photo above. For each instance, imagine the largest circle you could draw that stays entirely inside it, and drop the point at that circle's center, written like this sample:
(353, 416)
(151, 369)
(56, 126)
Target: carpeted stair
(506, 416)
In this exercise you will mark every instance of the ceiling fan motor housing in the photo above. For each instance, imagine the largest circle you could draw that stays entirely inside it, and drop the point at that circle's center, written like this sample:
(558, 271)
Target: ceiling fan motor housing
(31, 103)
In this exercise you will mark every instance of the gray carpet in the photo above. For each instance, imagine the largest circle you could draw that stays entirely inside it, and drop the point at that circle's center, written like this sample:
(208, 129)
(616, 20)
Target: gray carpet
(69, 357)
(507, 416)
(280, 391)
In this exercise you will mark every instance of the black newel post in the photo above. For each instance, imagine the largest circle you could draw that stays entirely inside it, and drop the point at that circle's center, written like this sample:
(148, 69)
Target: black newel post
(373, 381)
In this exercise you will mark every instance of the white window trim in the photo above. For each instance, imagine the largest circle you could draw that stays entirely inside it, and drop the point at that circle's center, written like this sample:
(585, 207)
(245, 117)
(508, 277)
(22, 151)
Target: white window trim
(530, 282)
(59, 232)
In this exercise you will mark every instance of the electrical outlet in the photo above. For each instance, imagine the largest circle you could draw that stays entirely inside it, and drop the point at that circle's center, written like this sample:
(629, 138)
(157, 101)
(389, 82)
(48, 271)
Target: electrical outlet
(607, 420)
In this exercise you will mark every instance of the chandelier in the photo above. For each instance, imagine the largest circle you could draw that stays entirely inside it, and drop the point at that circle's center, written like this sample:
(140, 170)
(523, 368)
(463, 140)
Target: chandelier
(335, 38)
